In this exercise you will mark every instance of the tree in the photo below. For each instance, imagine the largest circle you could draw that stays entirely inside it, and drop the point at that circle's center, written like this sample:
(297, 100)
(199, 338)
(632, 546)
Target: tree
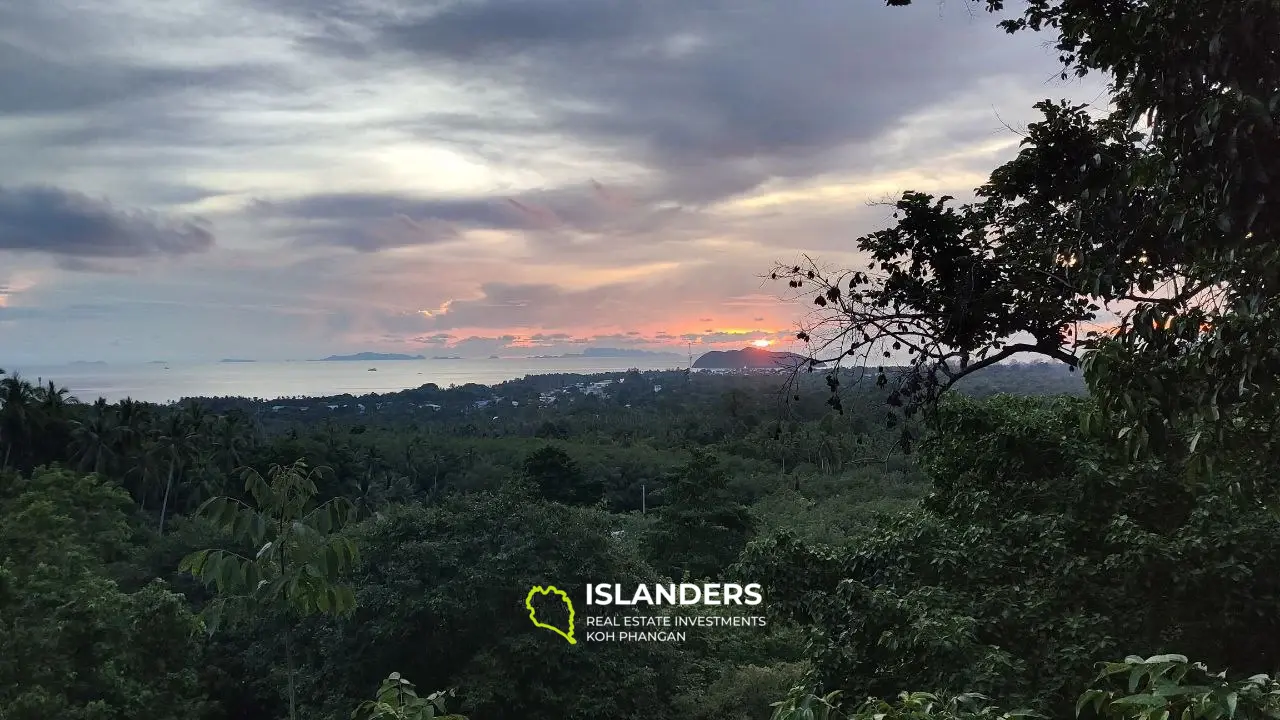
(17, 419)
(701, 528)
(1040, 550)
(174, 444)
(443, 602)
(1159, 686)
(299, 557)
(397, 700)
(559, 478)
(1157, 212)
(94, 439)
(76, 645)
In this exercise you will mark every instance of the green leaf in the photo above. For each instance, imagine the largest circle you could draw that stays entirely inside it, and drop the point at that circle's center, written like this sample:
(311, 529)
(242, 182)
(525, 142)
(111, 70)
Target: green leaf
(1086, 698)
(1145, 699)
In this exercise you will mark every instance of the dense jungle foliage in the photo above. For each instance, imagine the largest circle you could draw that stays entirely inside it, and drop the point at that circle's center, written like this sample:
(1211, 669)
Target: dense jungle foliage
(929, 548)
(453, 511)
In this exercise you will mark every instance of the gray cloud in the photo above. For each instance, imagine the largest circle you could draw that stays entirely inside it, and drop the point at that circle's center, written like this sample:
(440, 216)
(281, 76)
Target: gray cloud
(520, 305)
(539, 343)
(480, 346)
(53, 314)
(487, 30)
(720, 95)
(372, 221)
(439, 339)
(64, 223)
(36, 84)
(380, 124)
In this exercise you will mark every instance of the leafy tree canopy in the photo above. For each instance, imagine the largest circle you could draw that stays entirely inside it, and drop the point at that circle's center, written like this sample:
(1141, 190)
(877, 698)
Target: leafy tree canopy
(75, 645)
(1139, 240)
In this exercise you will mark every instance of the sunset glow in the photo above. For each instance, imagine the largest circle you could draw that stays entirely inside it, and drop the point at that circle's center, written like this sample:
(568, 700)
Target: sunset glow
(605, 184)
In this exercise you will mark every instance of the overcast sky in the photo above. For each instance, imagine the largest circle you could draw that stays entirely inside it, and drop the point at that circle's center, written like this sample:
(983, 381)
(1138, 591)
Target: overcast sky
(272, 179)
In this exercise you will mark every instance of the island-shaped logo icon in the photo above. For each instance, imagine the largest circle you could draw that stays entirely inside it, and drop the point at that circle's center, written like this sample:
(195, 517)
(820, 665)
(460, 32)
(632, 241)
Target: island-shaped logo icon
(567, 633)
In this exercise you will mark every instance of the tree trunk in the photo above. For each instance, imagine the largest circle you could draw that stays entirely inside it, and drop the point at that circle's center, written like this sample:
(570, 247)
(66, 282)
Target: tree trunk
(144, 488)
(293, 691)
(164, 504)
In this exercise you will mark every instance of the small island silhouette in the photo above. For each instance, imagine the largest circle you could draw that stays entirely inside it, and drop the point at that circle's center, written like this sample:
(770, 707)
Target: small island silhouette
(366, 356)
(748, 358)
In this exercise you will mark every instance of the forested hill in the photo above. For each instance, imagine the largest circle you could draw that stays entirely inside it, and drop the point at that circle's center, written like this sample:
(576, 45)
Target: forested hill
(632, 390)
(467, 479)
(923, 555)
(1041, 378)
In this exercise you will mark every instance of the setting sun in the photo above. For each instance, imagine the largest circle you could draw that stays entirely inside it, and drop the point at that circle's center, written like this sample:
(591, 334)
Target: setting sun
(762, 343)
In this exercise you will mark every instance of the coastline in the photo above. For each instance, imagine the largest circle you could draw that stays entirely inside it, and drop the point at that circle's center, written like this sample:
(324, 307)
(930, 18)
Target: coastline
(166, 383)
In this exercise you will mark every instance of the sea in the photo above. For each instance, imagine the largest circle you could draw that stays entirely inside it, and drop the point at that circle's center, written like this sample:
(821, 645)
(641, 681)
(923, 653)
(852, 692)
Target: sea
(170, 382)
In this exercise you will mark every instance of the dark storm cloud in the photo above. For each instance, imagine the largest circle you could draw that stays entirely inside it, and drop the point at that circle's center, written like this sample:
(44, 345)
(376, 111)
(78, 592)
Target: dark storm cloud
(719, 95)
(64, 223)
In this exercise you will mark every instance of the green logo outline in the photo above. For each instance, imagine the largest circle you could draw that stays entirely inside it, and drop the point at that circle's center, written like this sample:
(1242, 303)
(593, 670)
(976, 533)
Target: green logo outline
(533, 615)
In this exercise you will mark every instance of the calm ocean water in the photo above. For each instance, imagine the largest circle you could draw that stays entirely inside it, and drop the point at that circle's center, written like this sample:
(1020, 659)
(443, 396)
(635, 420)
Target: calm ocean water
(269, 380)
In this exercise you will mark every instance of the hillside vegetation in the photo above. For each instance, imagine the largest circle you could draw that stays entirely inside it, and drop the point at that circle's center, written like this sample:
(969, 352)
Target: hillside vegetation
(953, 538)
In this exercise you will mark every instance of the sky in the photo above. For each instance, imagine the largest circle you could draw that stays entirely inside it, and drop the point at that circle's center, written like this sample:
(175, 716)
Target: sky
(281, 179)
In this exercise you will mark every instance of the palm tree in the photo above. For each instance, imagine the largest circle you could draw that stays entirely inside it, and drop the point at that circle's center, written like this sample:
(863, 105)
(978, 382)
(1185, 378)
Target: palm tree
(133, 451)
(94, 440)
(53, 399)
(17, 418)
(174, 443)
(411, 451)
(372, 460)
(195, 415)
(50, 427)
(232, 437)
(204, 479)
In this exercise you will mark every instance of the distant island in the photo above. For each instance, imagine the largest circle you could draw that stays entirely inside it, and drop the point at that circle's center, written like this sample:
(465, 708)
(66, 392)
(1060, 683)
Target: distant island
(367, 356)
(235, 360)
(158, 362)
(446, 357)
(79, 363)
(747, 358)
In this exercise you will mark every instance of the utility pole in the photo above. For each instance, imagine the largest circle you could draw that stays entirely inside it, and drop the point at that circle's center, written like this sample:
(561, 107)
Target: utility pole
(688, 370)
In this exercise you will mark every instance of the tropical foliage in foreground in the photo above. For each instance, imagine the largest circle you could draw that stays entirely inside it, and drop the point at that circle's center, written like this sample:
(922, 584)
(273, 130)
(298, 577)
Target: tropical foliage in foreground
(1139, 520)
(1024, 541)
